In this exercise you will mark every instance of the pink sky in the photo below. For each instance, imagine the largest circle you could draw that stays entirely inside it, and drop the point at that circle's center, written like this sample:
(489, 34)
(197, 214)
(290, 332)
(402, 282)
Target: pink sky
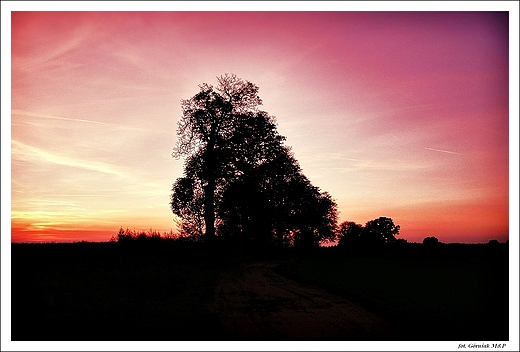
(404, 115)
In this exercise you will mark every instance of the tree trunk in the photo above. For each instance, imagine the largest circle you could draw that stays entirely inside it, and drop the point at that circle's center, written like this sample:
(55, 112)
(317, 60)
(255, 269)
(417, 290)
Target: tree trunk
(209, 210)
(209, 189)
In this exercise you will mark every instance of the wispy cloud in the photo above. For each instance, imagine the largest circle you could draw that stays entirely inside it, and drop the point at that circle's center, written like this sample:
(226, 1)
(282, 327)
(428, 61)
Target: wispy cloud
(84, 121)
(31, 114)
(443, 151)
(22, 151)
(53, 51)
(339, 163)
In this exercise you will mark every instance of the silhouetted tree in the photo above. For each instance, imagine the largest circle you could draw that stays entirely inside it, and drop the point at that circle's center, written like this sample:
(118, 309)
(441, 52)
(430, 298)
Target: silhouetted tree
(205, 129)
(379, 231)
(429, 241)
(375, 232)
(240, 180)
(349, 234)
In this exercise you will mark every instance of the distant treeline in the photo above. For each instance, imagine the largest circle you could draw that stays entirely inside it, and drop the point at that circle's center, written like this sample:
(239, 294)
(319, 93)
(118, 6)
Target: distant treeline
(376, 238)
(124, 236)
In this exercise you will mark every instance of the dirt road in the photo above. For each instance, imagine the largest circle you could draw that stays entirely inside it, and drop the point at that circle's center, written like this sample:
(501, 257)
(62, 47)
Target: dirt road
(253, 302)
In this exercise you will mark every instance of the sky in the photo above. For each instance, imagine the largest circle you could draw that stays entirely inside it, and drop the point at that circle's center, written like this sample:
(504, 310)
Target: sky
(397, 114)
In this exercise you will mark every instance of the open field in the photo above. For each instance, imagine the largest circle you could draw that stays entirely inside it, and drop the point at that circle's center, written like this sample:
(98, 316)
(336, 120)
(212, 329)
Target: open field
(451, 292)
(182, 291)
(105, 292)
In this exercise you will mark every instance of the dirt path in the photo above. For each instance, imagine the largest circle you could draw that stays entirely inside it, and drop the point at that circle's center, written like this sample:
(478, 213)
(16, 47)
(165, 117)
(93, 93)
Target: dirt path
(255, 303)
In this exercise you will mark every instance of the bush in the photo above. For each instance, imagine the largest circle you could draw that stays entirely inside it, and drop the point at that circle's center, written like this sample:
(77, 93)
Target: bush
(430, 241)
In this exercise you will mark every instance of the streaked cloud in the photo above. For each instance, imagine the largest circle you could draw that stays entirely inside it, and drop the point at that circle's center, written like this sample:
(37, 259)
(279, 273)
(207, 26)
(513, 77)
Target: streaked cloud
(443, 151)
(31, 114)
(25, 152)
(84, 121)
(339, 162)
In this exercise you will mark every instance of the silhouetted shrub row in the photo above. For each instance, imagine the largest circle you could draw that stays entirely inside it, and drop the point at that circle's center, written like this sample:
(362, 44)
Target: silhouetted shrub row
(126, 236)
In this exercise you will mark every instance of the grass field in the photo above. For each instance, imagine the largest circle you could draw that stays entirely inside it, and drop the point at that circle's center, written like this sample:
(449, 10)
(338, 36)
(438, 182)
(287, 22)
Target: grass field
(103, 292)
(450, 293)
(109, 291)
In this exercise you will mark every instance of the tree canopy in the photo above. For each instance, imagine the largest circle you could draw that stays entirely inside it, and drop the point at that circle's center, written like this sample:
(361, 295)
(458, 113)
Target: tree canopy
(431, 241)
(375, 232)
(241, 182)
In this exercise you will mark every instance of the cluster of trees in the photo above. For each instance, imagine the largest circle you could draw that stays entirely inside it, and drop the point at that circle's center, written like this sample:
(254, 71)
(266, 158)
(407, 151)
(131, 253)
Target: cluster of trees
(241, 182)
(375, 232)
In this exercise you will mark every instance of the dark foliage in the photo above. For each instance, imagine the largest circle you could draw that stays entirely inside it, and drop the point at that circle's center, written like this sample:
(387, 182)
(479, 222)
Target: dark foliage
(431, 241)
(241, 183)
(375, 233)
(349, 234)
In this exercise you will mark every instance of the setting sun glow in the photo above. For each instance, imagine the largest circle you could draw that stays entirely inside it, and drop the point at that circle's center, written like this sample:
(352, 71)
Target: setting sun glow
(396, 114)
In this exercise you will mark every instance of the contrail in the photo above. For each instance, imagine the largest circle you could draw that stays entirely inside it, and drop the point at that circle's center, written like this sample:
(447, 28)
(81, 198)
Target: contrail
(125, 127)
(26, 113)
(443, 151)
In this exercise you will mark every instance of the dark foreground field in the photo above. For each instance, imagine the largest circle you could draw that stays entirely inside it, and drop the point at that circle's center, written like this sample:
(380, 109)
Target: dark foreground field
(444, 293)
(182, 291)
